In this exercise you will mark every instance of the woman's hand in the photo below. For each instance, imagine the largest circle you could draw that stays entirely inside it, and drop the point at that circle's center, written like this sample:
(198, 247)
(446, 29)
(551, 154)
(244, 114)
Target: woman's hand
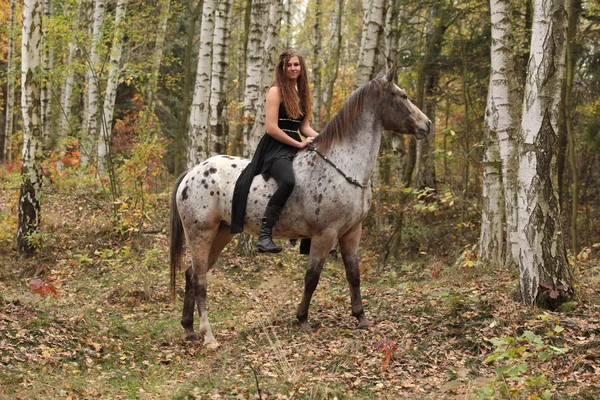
(306, 142)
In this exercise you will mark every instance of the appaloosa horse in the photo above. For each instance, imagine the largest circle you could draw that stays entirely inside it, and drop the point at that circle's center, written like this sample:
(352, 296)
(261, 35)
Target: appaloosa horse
(324, 205)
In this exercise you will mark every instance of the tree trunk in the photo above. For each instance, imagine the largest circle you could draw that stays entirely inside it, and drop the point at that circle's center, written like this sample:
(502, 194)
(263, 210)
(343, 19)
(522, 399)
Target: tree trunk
(254, 64)
(198, 135)
(5, 145)
(333, 63)
(317, 66)
(269, 59)
(544, 275)
(114, 70)
(568, 106)
(219, 129)
(367, 58)
(93, 80)
(29, 213)
(180, 159)
(159, 47)
(428, 79)
(47, 63)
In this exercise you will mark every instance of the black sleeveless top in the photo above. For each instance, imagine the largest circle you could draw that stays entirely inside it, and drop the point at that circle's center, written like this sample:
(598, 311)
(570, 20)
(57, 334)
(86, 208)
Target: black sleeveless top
(268, 150)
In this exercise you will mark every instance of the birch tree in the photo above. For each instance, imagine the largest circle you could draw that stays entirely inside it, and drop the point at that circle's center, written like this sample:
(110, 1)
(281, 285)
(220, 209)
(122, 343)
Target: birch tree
(47, 63)
(92, 79)
(502, 125)
(29, 213)
(333, 62)
(254, 64)
(198, 140)
(218, 100)
(157, 53)
(5, 153)
(114, 70)
(316, 62)
(268, 61)
(544, 274)
(367, 57)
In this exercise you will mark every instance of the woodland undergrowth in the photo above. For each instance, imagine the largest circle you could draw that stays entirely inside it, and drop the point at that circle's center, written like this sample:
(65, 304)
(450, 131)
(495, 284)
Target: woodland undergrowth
(90, 316)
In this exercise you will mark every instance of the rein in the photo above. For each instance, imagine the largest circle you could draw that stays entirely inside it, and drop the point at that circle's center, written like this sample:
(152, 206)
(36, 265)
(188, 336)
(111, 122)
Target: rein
(351, 180)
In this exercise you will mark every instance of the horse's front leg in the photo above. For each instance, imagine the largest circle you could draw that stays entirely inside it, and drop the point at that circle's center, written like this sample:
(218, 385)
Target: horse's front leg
(349, 249)
(319, 249)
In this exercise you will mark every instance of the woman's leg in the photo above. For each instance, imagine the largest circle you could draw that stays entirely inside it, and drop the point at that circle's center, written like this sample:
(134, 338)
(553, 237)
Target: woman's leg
(283, 173)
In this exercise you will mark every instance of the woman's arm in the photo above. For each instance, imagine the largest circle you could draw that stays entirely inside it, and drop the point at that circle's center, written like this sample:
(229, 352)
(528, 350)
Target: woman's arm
(272, 117)
(306, 130)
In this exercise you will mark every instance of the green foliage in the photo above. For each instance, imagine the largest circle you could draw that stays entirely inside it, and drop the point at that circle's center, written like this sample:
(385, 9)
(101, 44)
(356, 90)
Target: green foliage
(512, 355)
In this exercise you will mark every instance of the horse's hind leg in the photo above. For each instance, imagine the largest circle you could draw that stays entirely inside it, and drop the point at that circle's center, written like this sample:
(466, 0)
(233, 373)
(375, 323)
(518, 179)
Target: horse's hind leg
(189, 301)
(319, 249)
(221, 240)
(349, 249)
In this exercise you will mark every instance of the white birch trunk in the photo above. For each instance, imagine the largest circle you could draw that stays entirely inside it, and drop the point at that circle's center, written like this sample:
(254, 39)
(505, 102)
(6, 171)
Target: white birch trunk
(503, 114)
(491, 241)
(544, 275)
(66, 93)
(159, 46)
(254, 64)
(368, 54)
(93, 79)
(333, 62)
(218, 89)
(10, 85)
(317, 66)
(47, 62)
(198, 136)
(29, 214)
(114, 70)
(269, 60)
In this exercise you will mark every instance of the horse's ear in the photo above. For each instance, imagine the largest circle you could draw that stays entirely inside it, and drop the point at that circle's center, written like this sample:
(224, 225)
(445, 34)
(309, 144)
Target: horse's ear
(390, 75)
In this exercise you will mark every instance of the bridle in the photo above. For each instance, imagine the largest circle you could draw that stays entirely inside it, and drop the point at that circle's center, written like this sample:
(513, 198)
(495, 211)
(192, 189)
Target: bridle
(351, 180)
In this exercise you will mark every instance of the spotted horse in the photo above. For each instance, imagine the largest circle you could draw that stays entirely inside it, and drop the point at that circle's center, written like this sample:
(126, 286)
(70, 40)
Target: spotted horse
(324, 205)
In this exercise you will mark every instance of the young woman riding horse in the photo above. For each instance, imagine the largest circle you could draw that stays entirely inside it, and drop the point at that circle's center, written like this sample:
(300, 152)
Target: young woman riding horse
(288, 110)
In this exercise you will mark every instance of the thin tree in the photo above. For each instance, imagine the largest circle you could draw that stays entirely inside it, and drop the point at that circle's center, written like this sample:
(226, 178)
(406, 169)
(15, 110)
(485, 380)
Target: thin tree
(365, 69)
(218, 88)
(47, 63)
(194, 8)
(114, 70)
(5, 145)
(333, 63)
(198, 134)
(157, 53)
(254, 63)
(92, 80)
(316, 70)
(544, 275)
(29, 213)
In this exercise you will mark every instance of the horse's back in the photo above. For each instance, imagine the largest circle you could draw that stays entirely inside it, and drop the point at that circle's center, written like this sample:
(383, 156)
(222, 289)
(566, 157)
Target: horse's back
(205, 194)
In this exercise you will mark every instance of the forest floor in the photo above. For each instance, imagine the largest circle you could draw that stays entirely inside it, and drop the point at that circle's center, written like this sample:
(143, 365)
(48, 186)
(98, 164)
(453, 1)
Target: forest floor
(441, 331)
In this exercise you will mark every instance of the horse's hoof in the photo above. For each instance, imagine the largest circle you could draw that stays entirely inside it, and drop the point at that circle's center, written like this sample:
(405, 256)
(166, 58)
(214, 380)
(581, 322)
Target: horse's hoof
(305, 327)
(213, 345)
(366, 324)
(193, 337)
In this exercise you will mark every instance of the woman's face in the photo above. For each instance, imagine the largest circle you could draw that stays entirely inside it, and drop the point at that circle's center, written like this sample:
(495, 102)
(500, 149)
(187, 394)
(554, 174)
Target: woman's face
(293, 68)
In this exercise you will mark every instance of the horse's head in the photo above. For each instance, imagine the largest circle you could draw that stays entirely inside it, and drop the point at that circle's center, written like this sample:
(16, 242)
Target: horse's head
(398, 113)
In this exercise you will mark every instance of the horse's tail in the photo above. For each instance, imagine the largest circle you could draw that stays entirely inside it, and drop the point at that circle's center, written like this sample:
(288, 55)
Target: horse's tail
(177, 236)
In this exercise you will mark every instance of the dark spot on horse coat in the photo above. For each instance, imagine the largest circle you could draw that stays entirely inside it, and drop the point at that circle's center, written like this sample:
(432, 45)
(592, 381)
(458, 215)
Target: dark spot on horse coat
(203, 181)
(193, 177)
(317, 211)
(212, 170)
(229, 157)
(184, 193)
(218, 193)
(212, 193)
(205, 173)
(204, 163)
(205, 186)
(320, 198)
(212, 181)
(233, 165)
(254, 189)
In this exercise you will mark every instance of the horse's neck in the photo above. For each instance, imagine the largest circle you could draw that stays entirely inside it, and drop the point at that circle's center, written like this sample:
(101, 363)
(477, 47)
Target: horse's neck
(357, 155)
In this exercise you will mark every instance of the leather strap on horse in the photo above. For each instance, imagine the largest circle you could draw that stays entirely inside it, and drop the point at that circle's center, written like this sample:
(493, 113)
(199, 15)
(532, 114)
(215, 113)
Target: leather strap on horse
(351, 180)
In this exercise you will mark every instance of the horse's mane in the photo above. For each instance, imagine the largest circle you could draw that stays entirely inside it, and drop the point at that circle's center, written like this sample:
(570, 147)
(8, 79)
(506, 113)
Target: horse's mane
(342, 124)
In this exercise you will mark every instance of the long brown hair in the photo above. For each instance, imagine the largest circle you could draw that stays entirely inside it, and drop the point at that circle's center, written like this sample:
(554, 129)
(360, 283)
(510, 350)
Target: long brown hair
(294, 102)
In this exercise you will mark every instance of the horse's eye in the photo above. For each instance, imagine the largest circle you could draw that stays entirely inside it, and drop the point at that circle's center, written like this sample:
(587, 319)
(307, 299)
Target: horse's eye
(404, 96)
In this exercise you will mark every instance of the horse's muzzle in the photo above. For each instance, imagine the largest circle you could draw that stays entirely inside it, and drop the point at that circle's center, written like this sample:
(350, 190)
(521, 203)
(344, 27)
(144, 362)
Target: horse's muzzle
(423, 132)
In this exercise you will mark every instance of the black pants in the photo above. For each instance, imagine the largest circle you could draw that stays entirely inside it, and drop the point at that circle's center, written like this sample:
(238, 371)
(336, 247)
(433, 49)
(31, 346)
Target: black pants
(283, 173)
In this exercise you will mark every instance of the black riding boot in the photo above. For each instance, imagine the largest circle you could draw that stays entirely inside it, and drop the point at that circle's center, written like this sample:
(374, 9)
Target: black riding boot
(265, 240)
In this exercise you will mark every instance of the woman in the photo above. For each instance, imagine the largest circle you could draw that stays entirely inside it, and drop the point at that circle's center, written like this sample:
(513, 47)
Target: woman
(288, 109)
